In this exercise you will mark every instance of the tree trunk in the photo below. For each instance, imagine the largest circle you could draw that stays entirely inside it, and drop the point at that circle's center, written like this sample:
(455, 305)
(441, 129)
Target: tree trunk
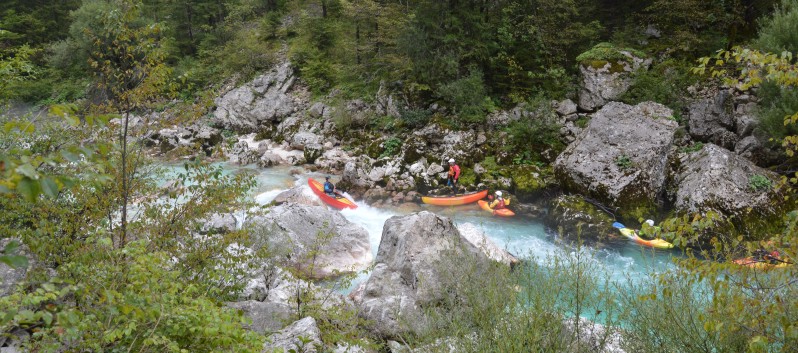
(125, 186)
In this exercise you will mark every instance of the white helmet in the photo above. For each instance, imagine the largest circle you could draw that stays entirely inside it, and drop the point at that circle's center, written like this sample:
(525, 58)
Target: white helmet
(451, 160)
(650, 222)
(498, 193)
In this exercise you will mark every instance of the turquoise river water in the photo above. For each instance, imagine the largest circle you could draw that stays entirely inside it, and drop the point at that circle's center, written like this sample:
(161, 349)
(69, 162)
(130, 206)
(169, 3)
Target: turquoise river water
(524, 237)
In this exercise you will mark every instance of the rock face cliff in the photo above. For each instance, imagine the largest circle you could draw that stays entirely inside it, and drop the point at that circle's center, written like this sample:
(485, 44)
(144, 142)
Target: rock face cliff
(621, 157)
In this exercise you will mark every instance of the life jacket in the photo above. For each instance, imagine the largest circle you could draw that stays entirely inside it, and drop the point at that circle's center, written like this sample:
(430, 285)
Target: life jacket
(500, 205)
(454, 171)
(329, 188)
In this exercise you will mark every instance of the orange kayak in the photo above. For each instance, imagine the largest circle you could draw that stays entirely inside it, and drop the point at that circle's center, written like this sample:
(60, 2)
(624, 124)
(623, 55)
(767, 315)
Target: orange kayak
(454, 200)
(759, 264)
(500, 212)
(336, 202)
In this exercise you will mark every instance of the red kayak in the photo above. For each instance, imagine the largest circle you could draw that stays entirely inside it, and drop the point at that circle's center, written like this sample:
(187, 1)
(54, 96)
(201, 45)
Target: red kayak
(454, 200)
(338, 202)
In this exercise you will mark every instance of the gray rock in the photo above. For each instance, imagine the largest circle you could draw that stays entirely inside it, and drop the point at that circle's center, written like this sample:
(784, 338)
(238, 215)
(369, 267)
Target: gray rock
(578, 219)
(601, 85)
(218, 224)
(477, 238)
(566, 107)
(317, 110)
(262, 101)
(304, 138)
(11, 277)
(242, 154)
(270, 159)
(711, 120)
(407, 275)
(745, 124)
(312, 152)
(715, 179)
(435, 168)
(301, 195)
(296, 232)
(292, 337)
(266, 317)
(621, 156)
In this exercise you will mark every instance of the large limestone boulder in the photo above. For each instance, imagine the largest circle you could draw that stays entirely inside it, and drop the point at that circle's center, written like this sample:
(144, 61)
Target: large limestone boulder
(605, 81)
(265, 100)
(715, 179)
(621, 157)
(316, 241)
(301, 336)
(408, 271)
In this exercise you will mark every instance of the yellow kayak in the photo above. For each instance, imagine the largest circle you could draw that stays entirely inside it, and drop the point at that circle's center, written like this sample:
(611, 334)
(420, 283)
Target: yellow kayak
(631, 234)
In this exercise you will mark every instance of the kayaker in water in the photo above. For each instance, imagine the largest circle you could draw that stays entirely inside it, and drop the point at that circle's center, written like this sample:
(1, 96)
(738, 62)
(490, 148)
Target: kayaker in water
(648, 230)
(454, 175)
(498, 203)
(772, 257)
(329, 188)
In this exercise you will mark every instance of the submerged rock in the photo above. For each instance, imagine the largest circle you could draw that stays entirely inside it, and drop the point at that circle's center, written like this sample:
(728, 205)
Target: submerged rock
(574, 217)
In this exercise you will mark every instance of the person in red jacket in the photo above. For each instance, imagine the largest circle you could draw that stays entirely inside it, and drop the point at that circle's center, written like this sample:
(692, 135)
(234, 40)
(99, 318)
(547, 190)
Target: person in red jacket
(454, 174)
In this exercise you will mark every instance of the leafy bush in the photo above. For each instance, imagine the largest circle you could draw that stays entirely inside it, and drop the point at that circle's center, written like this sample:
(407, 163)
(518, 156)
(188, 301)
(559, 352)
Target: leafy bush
(413, 118)
(663, 83)
(467, 97)
(607, 52)
(391, 147)
(776, 104)
(759, 183)
(529, 137)
(780, 32)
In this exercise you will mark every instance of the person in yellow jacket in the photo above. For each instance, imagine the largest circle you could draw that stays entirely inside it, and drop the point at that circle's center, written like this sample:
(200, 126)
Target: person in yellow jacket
(499, 202)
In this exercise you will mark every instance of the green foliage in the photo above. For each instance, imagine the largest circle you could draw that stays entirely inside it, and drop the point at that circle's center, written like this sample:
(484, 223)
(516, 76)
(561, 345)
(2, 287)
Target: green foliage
(776, 103)
(467, 97)
(695, 147)
(139, 303)
(414, 118)
(779, 32)
(391, 147)
(624, 162)
(665, 83)
(529, 137)
(607, 52)
(759, 183)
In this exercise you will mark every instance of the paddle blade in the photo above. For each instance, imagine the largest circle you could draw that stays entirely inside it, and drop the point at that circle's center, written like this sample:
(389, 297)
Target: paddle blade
(618, 225)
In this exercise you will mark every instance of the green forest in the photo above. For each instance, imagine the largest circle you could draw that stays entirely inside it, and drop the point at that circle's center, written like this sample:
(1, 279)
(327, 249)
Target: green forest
(111, 260)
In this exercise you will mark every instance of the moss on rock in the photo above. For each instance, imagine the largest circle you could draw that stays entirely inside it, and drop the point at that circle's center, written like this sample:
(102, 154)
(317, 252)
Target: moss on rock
(576, 218)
